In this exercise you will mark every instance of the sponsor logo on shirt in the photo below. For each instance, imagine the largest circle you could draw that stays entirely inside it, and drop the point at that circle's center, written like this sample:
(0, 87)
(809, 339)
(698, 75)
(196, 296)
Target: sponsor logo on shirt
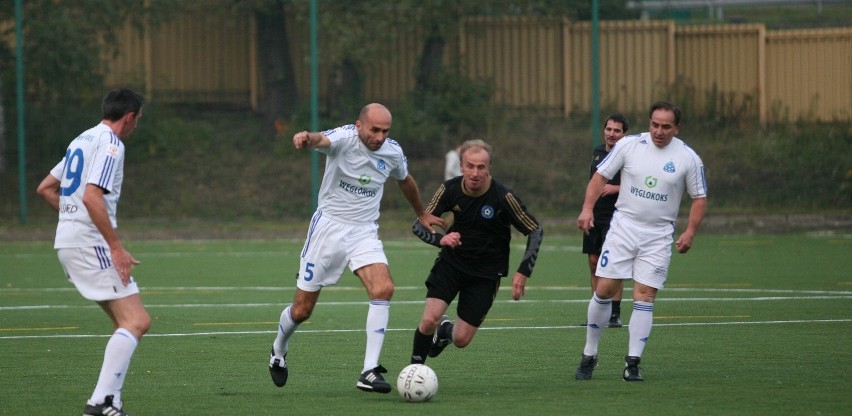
(357, 190)
(641, 193)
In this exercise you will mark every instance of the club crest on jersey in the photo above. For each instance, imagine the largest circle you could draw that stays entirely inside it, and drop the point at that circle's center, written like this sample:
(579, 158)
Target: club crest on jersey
(669, 167)
(112, 150)
(364, 179)
(487, 212)
(381, 165)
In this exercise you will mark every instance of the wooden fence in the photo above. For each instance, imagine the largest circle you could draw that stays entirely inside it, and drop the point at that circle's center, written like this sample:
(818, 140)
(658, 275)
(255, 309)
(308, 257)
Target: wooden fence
(543, 64)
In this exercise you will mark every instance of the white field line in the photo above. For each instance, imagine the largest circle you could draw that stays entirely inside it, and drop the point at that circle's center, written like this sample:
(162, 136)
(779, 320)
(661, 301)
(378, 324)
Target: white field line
(798, 295)
(416, 246)
(420, 302)
(484, 328)
(530, 288)
(789, 295)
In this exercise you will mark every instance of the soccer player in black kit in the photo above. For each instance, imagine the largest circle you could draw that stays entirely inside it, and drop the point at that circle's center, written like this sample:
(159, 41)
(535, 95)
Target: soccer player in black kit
(474, 252)
(615, 128)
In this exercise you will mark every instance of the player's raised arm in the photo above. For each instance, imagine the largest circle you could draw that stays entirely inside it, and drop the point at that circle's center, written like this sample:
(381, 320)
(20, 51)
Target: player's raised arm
(310, 140)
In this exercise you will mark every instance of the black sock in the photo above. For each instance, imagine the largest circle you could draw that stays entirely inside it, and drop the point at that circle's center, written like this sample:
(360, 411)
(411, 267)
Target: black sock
(616, 308)
(420, 348)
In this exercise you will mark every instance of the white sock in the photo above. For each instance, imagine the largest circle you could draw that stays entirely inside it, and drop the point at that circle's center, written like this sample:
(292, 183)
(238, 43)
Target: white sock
(377, 322)
(286, 328)
(640, 327)
(117, 355)
(597, 318)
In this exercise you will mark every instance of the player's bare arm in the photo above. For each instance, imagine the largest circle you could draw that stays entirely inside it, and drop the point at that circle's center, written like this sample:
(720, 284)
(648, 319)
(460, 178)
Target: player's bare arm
(412, 194)
(696, 216)
(123, 261)
(309, 140)
(49, 190)
(593, 190)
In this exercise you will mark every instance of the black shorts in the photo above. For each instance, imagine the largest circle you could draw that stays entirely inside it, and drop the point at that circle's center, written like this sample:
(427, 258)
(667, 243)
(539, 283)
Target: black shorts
(593, 242)
(476, 294)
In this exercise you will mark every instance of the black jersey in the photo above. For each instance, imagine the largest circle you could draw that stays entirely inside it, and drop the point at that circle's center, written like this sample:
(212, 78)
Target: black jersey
(484, 223)
(605, 205)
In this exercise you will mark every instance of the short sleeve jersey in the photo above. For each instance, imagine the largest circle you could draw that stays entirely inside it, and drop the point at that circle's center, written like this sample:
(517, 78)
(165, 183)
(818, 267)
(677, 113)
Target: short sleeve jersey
(95, 157)
(653, 179)
(354, 178)
(484, 223)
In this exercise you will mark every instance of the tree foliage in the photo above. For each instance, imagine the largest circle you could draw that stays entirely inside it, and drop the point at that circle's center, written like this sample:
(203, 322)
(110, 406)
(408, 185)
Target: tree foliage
(68, 44)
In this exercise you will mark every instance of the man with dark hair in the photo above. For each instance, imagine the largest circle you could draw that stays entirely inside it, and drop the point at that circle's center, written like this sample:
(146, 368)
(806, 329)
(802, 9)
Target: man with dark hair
(84, 188)
(656, 168)
(615, 127)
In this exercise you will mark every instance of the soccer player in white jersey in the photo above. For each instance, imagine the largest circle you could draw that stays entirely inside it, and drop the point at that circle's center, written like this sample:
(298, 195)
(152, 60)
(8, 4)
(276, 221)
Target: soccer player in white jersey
(84, 189)
(656, 167)
(344, 232)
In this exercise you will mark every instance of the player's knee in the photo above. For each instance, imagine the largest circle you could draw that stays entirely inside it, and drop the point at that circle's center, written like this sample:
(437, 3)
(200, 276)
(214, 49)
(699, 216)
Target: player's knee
(429, 324)
(461, 341)
(383, 290)
(643, 293)
(300, 314)
(140, 324)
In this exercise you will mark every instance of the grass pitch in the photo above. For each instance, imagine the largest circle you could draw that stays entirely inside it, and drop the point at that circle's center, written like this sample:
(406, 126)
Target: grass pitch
(746, 325)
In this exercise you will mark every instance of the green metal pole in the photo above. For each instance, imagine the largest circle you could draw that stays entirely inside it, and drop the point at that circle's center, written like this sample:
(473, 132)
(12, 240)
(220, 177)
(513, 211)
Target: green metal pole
(596, 106)
(19, 70)
(314, 104)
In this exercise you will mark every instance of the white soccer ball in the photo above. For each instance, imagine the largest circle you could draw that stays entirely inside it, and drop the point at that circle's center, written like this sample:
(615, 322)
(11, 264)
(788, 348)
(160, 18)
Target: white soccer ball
(417, 383)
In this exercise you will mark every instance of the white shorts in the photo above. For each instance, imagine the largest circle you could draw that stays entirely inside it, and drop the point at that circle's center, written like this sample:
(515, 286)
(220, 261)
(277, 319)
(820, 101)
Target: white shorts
(639, 252)
(92, 272)
(331, 245)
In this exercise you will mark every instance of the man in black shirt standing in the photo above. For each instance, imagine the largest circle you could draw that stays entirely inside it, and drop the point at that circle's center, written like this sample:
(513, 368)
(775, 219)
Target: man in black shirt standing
(615, 127)
(474, 252)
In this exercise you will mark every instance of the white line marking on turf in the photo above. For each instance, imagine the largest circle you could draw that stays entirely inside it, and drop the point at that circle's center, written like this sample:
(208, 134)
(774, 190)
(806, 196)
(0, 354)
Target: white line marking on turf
(420, 302)
(143, 289)
(484, 328)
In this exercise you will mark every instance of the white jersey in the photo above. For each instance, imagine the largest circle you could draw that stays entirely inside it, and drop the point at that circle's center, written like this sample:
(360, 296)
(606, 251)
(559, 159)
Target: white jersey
(653, 179)
(354, 177)
(452, 165)
(96, 156)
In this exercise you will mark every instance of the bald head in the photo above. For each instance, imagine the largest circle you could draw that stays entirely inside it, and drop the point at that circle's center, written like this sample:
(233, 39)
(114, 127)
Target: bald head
(374, 110)
(373, 125)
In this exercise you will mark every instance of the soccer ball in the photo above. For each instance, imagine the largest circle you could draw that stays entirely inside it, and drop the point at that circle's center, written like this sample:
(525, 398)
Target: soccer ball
(417, 383)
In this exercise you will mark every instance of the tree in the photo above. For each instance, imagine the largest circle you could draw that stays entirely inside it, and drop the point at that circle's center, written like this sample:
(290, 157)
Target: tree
(276, 63)
(2, 132)
(65, 61)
